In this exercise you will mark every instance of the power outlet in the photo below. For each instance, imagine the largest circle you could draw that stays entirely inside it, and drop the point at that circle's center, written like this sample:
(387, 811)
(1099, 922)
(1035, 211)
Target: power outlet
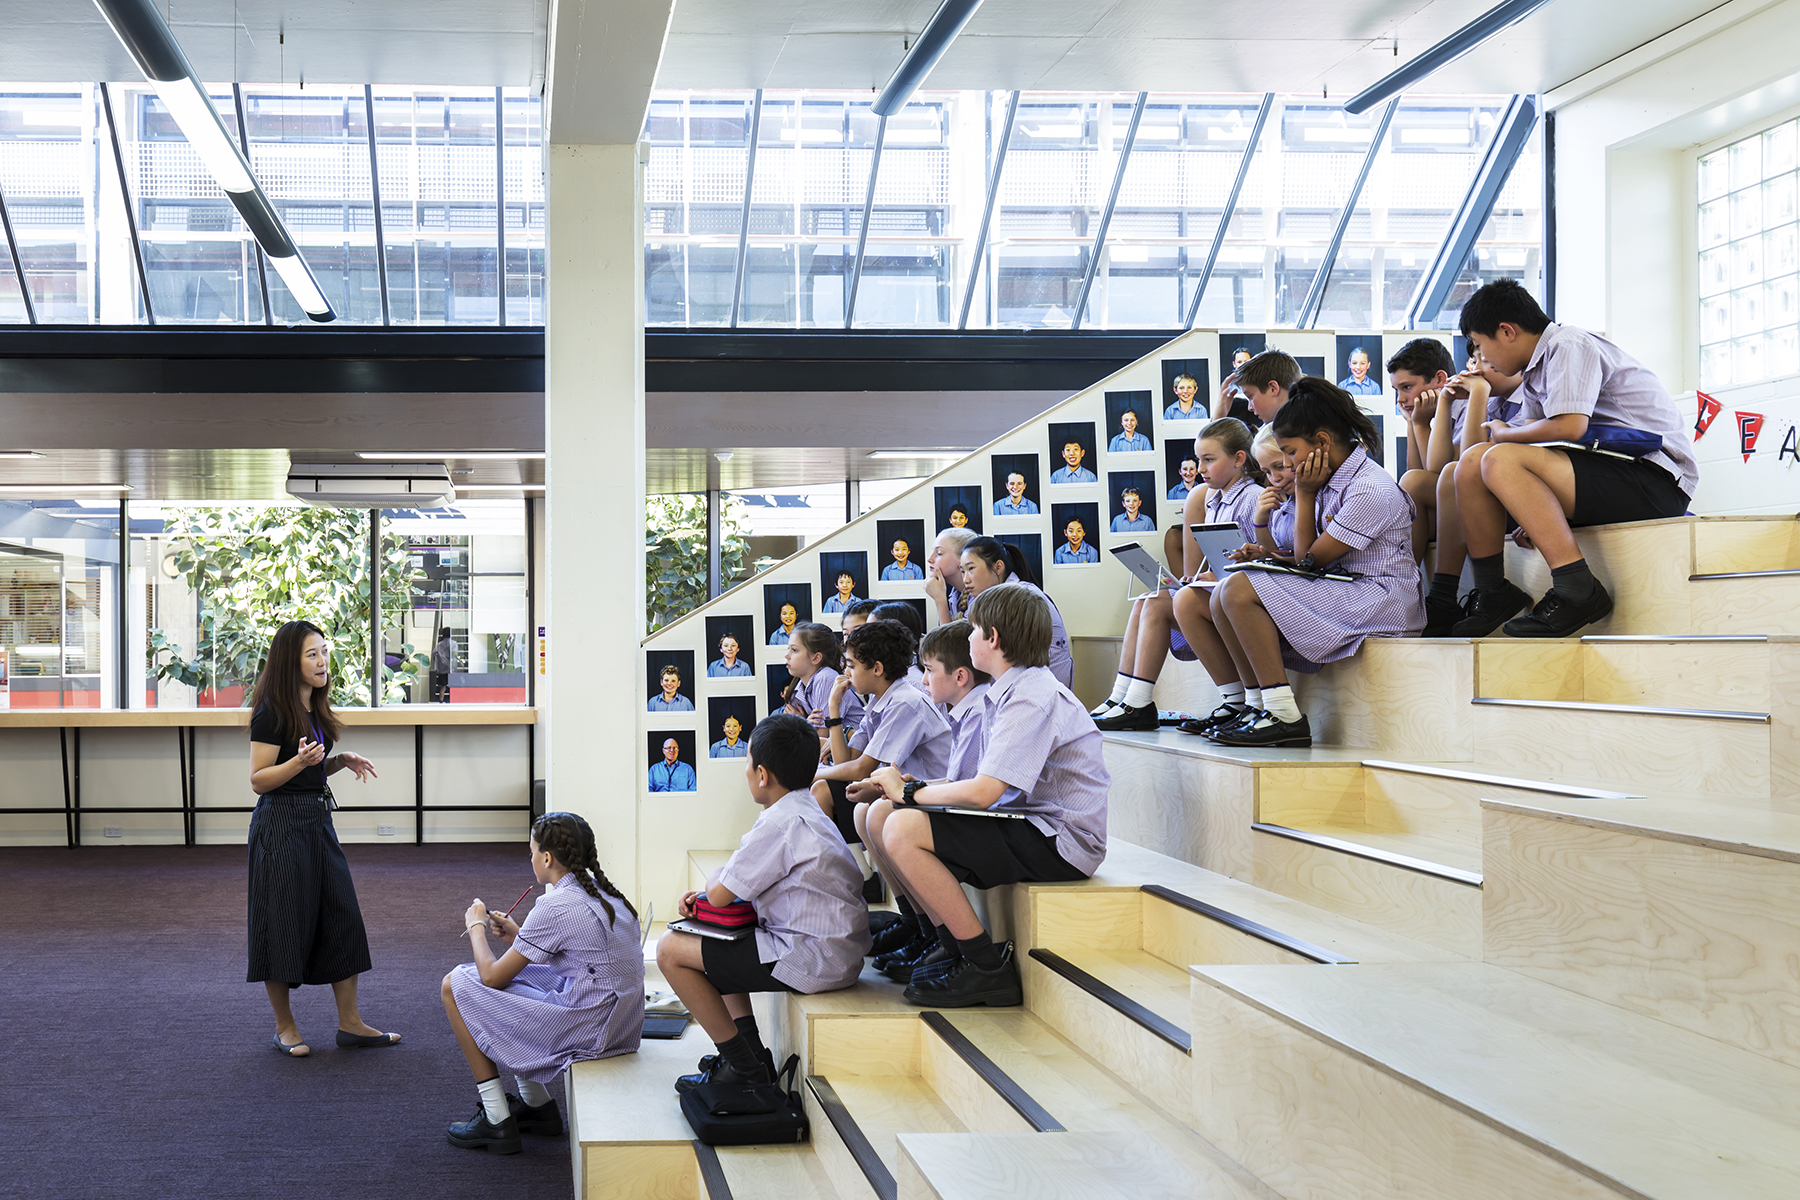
(384, 831)
(115, 831)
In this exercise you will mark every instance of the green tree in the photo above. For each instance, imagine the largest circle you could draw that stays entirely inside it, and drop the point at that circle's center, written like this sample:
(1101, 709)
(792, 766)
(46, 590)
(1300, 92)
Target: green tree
(254, 569)
(675, 554)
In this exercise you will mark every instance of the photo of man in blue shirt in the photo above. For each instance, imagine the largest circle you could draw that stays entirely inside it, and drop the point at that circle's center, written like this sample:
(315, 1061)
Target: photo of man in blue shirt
(901, 569)
(1128, 439)
(1132, 520)
(1074, 472)
(671, 774)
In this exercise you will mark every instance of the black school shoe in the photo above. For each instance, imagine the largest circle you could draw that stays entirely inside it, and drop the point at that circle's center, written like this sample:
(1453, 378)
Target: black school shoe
(1441, 616)
(722, 1071)
(938, 962)
(1558, 616)
(546, 1119)
(1266, 729)
(893, 937)
(965, 985)
(706, 1064)
(916, 948)
(1486, 610)
(479, 1133)
(1220, 717)
(1140, 719)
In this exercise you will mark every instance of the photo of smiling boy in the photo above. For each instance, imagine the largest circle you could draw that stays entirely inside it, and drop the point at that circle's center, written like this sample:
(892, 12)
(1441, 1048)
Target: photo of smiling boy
(1073, 443)
(1015, 485)
(1129, 414)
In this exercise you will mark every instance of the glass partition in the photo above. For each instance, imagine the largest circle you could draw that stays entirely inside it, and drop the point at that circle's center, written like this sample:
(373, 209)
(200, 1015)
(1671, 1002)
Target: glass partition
(455, 633)
(60, 590)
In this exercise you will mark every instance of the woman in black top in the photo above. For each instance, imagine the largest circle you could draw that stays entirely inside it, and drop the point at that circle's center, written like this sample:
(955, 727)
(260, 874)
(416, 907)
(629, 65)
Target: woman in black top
(305, 926)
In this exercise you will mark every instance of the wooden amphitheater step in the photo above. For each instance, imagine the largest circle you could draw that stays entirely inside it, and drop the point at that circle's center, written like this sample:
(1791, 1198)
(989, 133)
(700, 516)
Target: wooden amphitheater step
(1116, 1165)
(763, 1173)
(1680, 909)
(627, 1136)
(1467, 1080)
(1722, 671)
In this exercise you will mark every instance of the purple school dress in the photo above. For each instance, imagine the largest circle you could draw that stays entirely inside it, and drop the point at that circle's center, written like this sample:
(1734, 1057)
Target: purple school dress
(1236, 503)
(580, 997)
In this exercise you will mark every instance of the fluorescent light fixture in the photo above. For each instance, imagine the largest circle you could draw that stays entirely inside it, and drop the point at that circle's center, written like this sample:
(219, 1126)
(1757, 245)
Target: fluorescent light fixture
(461, 455)
(499, 487)
(300, 283)
(1445, 52)
(901, 455)
(933, 41)
(59, 489)
(20, 454)
(193, 110)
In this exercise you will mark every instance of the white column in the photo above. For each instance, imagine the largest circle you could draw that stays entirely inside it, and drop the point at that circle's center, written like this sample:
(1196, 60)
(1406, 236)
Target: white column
(593, 610)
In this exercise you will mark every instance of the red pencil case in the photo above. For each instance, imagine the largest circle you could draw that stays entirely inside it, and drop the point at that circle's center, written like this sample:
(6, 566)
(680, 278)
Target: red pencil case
(739, 915)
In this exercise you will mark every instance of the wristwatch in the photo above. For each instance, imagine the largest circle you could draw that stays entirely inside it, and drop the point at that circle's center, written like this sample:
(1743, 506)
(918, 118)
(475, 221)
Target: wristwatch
(909, 789)
(833, 722)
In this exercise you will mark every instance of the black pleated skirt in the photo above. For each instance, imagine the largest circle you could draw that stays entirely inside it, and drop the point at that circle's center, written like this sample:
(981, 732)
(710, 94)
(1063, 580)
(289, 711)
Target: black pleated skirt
(305, 925)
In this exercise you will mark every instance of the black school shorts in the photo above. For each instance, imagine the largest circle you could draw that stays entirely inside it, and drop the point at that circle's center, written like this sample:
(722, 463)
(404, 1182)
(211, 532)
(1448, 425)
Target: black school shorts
(843, 812)
(735, 967)
(986, 852)
(1610, 491)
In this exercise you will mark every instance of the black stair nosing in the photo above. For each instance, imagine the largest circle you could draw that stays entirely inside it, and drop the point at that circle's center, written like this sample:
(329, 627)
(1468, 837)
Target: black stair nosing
(855, 1140)
(991, 1074)
(1779, 573)
(1245, 925)
(1405, 862)
(1116, 1000)
(1629, 710)
(712, 1172)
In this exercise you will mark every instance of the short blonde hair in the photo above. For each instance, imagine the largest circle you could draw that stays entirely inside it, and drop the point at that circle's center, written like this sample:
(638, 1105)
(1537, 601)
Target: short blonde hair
(1020, 615)
(1264, 440)
(959, 536)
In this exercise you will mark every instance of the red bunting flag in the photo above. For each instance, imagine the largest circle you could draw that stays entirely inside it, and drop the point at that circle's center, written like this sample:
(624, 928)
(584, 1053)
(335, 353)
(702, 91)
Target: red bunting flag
(1709, 408)
(1749, 427)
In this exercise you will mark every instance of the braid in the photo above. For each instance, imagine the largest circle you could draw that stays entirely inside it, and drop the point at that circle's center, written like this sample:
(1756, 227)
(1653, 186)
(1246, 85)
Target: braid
(570, 841)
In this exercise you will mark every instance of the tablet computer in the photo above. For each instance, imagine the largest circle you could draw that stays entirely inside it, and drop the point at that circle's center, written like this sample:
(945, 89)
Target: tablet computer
(1144, 568)
(704, 930)
(1217, 540)
(952, 810)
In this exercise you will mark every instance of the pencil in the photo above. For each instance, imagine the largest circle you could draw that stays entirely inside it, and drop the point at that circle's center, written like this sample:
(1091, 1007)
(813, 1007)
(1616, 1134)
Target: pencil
(509, 912)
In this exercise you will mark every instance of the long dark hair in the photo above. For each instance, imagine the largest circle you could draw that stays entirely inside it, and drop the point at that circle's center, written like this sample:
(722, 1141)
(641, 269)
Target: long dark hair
(570, 841)
(993, 552)
(1314, 404)
(278, 687)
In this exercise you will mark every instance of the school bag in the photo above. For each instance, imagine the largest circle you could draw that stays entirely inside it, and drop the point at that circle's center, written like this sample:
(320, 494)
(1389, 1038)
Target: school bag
(756, 1114)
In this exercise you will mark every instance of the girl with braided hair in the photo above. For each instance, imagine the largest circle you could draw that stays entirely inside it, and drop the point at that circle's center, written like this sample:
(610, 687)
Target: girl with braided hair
(571, 987)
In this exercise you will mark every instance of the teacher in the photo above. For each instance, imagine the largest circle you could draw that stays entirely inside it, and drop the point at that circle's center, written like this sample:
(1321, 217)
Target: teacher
(305, 926)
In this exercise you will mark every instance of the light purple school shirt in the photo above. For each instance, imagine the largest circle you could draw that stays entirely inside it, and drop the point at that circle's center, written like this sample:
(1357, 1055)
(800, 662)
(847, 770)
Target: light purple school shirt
(1497, 410)
(812, 693)
(1062, 659)
(811, 920)
(966, 723)
(1281, 526)
(1236, 503)
(1574, 371)
(1041, 743)
(903, 727)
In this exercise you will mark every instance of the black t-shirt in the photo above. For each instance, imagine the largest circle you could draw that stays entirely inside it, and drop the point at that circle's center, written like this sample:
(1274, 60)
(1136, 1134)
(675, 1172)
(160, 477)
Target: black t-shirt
(308, 782)
(1240, 408)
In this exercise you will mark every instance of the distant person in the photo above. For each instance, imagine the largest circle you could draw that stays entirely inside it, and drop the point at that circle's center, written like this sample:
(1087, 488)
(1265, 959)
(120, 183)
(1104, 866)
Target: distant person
(1262, 385)
(902, 568)
(987, 562)
(1190, 478)
(1128, 439)
(1072, 454)
(728, 665)
(671, 699)
(1358, 383)
(443, 661)
(671, 774)
(1186, 387)
(790, 617)
(1076, 548)
(1133, 519)
(846, 593)
(959, 517)
(732, 744)
(943, 573)
(1015, 504)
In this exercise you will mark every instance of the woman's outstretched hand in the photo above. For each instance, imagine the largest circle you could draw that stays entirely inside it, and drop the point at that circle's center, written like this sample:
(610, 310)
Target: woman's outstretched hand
(358, 766)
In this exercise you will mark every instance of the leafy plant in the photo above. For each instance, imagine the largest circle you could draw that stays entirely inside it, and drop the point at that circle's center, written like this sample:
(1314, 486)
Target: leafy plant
(254, 569)
(675, 554)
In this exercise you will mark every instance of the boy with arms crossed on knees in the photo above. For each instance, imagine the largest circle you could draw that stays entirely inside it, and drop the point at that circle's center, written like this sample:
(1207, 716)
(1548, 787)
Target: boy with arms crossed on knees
(812, 927)
(1041, 756)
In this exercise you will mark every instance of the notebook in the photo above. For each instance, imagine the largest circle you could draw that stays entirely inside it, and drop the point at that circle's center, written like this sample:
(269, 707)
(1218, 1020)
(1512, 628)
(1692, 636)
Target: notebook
(1145, 569)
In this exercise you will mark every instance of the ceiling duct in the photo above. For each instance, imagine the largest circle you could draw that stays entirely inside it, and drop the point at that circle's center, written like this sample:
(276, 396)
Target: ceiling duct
(371, 484)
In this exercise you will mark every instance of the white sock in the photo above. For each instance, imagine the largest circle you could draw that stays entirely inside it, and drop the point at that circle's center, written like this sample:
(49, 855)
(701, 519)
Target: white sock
(1138, 694)
(1121, 685)
(1253, 698)
(532, 1092)
(1231, 693)
(1279, 703)
(493, 1099)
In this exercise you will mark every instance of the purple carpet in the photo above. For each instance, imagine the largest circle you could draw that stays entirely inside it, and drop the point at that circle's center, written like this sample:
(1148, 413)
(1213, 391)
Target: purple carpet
(138, 1059)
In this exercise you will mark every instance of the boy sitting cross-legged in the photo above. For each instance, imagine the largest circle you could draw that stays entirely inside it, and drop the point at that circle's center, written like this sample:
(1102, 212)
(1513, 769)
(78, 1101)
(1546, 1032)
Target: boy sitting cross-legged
(812, 927)
(1041, 760)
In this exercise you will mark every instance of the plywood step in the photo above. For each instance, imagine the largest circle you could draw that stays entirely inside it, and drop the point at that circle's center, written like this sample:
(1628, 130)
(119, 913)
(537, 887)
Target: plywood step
(1470, 1081)
(626, 1131)
(767, 1173)
(1723, 671)
(1116, 1165)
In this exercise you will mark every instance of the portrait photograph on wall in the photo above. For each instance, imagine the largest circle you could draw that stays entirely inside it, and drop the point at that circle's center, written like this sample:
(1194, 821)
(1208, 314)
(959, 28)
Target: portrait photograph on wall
(1360, 369)
(669, 674)
(1186, 392)
(1311, 364)
(1130, 425)
(729, 720)
(1031, 546)
(779, 682)
(843, 578)
(901, 549)
(916, 603)
(1015, 485)
(1074, 528)
(1460, 350)
(1072, 449)
(1131, 496)
(785, 605)
(1183, 473)
(670, 754)
(958, 507)
(1235, 349)
(731, 648)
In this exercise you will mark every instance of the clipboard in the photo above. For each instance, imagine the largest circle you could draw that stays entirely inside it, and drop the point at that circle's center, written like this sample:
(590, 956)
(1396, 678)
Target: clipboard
(1145, 568)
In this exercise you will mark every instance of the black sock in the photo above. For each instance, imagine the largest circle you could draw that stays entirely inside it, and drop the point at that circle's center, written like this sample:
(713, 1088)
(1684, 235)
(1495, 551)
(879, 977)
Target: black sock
(1443, 587)
(1489, 572)
(746, 1027)
(741, 1054)
(904, 907)
(1574, 580)
(946, 938)
(980, 950)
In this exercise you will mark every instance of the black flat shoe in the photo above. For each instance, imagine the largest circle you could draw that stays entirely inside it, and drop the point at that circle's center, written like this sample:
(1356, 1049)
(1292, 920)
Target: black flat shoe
(897, 934)
(938, 963)
(1141, 719)
(1558, 616)
(1267, 730)
(1224, 715)
(1441, 617)
(917, 947)
(966, 985)
(545, 1119)
(297, 1050)
(707, 1060)
(479, 1133)
(723, 1072)
(355, 1041)
(1486, 610)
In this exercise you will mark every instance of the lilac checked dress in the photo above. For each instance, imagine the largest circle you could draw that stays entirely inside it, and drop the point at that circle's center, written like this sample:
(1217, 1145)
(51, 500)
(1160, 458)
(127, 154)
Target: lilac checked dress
(813, 692)
(1236, 503)
(580, 996)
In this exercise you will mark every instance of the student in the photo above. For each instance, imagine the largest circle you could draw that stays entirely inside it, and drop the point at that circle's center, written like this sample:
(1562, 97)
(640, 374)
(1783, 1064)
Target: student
(1190, 477)
(1076, 548)
(728, 665)
(812, 662)
(1041, 756)
(1232, 482)
(1128, 439)
(959, 517)
(1232, 401)
(731, 745)
(943, 573)
(671, 699)
(901, 568)
(1015, 504)
(1186, 387)
(900, 725)
(812, 926)
(570, 989)
(1072, 471)
(846, 593)
(443, 658)
(1256, 390)
(1357, 382)
(790, 616)
(670, 774)
(1571, 379)
(986, 563)
(909, 616)
(1348, 513)
(1273, 519)
(1133, 519)
(859, 613)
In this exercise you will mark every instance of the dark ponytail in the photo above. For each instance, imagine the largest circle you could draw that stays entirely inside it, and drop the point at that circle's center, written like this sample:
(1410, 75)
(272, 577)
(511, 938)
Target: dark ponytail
(1314, 404)
(993, 552)
(570, 840)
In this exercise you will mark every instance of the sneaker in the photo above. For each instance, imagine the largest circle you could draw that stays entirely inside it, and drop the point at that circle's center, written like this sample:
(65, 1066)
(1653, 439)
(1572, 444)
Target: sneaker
(917, 947)
(723, 1072)
(966, 985)
(897, 934)
(545, 1119)
(479, 1133)
(1558, 616)
(1225, 714)
(1441, 616)
(1267, 730)
(1487, 610)
(1141, 719)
